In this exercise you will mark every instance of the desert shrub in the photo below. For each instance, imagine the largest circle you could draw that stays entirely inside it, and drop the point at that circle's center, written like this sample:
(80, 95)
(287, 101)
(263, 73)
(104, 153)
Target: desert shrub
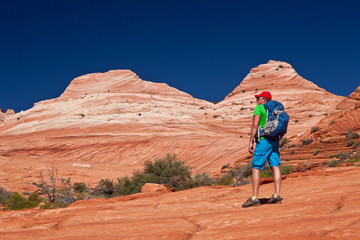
(307, 141)
(127, 185)
(352, 135)
(350, 142)
(343, 156)
(17, 202)
(307, 164)
(333, 163)
(281, 66)
(225, 166)
(105, 188)
(52, 205)
(291, 145)
(266, 173)
(296, 121)
(283, 141)
(35, 197)
(316, 151)
(333, 155)
(168, 171)
(354, 159)
(226, 179)
(356, 145)
(286, 169)
(310, 115)
(4, 195)
(200, 180)
(292, 151)
(332, 122)
(80, 187)
(243, 172)
(314, 129)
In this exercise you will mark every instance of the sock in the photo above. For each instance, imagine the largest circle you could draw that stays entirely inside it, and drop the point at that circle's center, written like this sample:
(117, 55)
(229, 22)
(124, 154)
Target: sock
(253, 198)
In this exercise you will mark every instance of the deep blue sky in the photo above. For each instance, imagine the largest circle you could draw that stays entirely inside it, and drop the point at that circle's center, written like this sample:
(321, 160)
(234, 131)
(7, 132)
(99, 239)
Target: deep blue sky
(202, 47)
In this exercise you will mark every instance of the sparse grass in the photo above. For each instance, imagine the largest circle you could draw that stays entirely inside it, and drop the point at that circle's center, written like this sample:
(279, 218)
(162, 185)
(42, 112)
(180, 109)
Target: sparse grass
(314, 129)
(316, 151)
(352, 135)
(291, 145)
(283, 141)
(226, 179)
(350, 142)
(333, 163)
(342, 156)
(307, 141)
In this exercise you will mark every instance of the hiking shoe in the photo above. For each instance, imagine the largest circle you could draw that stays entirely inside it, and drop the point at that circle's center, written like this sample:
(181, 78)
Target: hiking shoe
(251, 203)
(273, 199)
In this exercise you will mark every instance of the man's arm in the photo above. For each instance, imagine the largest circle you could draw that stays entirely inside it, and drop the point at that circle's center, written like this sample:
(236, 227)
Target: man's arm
(254, 127)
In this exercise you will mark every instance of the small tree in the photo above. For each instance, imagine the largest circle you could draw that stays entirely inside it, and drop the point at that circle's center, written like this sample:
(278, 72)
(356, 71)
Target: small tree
(49, 188)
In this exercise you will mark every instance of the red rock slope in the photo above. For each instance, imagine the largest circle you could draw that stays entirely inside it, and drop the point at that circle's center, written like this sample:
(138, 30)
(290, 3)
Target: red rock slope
(324, 204)
(105, 125)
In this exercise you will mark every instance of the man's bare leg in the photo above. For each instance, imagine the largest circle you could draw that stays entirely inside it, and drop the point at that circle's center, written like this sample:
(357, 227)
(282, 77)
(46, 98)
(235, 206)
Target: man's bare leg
(277, 179)
(255, 181)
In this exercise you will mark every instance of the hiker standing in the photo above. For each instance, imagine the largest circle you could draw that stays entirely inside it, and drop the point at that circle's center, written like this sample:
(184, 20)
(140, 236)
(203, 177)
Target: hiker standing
(266, 150)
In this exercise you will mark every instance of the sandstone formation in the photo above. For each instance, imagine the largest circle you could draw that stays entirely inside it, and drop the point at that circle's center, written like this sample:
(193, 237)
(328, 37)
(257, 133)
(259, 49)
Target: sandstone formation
(106, 125)
(322, 204)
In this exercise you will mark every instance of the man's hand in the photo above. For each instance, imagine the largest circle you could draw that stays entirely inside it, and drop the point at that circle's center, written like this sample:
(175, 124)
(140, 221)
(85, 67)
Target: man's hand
(251, 147)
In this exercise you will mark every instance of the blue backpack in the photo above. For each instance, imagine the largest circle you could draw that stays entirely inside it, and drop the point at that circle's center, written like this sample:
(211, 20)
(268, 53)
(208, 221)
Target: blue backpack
(276, 121)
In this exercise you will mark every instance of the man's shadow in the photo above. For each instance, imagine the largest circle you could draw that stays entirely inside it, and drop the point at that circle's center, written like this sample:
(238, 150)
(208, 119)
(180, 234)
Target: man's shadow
(264, 200)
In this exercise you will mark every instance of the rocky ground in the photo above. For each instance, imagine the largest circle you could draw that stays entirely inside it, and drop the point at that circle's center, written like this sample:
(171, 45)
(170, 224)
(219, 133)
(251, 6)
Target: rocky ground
(321, 204)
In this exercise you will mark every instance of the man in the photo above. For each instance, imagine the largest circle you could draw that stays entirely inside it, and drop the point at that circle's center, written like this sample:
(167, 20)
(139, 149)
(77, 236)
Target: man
(266, 150)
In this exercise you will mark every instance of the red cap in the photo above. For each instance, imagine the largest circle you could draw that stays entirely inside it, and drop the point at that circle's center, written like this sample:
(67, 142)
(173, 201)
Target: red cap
(264, 94)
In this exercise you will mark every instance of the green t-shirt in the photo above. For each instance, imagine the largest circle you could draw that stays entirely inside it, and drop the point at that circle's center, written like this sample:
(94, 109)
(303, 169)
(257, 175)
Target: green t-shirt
(260, 110)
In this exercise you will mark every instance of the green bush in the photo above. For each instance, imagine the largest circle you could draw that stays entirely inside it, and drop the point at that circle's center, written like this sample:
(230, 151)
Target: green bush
(105, 188)
(35, 197)
(80, 187)
(4, 196)
(354, 159)
(333, 163)
(167, 171)
(307, 141)
(333, 155)
(52, 205)
(17, 202)
(202, 180)
(227, 179)
(286, 169)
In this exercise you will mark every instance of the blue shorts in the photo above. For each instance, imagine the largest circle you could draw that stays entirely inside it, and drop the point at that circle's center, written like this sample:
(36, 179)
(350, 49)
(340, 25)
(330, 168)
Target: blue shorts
(266, 150)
